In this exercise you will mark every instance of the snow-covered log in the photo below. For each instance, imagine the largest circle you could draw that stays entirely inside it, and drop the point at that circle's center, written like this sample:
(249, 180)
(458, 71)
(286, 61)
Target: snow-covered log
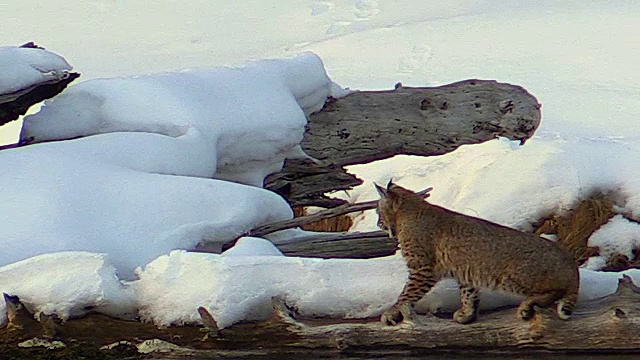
(606, 325)
(28, 75)
(372, 125)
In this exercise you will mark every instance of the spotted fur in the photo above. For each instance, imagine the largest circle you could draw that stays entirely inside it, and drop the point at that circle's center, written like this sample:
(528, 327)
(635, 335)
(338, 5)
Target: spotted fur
(437, 243)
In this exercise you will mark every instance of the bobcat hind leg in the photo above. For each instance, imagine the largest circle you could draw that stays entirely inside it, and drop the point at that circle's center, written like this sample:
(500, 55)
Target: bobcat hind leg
(566, 305)
(526, 310)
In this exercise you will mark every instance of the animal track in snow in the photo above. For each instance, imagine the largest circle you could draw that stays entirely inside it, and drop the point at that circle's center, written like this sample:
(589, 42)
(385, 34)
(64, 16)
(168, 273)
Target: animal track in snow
(415, 60)
(365, 9)
(321, 7)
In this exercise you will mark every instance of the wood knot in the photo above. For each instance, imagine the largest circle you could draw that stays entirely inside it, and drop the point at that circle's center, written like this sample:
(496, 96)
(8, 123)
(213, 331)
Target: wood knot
(619, 313)
(506, 106)
(424, 104)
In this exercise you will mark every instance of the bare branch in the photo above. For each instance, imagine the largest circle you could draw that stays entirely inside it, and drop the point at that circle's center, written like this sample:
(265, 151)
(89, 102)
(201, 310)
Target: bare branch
(324, 214)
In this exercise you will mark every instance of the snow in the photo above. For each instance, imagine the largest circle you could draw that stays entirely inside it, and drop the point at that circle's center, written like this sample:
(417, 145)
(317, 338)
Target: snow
(21, 68)
(508, 184)
(618, 236)
(252, 246)
(61, 196)
(248, 119)
(116, 210)
(235, 288)
(69, 284)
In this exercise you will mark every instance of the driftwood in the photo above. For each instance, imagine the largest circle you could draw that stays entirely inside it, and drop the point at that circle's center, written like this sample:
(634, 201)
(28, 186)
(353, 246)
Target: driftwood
(607, 325)
(14, 104)
(373, 125)
(337, 211)
(353, 245)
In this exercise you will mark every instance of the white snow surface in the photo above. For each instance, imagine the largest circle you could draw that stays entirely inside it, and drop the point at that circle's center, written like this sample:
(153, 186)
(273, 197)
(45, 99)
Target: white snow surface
(62, 196)
(235, 288)
(238, 285)
(21, 68)
(618, 236)
(136, 190)
(510, 184)
(68, 284)
(245, 121)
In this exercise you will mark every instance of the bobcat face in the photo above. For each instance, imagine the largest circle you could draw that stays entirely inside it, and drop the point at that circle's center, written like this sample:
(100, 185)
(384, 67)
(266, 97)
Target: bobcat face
(382, 223)
(385, 213)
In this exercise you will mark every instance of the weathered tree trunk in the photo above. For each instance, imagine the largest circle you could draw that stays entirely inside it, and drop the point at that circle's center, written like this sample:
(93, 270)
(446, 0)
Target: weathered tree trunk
(14, 104)
(608, 325)
(354, 245)
(372, 125)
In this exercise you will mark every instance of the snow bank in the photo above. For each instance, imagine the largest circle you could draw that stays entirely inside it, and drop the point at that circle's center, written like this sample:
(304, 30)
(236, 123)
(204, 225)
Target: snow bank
(618, 236)
(246, 120)
(21, 68)
(59, 196)
(67, 284)
(236, 288)
(508, 184)
(115, 189)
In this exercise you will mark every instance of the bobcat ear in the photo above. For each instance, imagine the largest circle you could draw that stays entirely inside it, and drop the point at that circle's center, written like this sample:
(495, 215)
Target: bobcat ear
(382, 191)
(389, 184)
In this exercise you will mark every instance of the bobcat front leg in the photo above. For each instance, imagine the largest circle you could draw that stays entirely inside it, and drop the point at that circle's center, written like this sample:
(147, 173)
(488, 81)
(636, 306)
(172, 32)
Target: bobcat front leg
(421, 280)
(470, 301)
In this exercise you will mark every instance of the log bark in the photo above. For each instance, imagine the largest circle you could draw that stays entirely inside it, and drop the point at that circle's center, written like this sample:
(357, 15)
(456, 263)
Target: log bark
(608, 325)
(15, 104)
(373, 125)
(355, 245)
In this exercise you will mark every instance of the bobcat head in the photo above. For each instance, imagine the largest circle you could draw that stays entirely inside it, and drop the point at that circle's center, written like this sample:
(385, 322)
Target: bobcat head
(391, 199)
(386, 209)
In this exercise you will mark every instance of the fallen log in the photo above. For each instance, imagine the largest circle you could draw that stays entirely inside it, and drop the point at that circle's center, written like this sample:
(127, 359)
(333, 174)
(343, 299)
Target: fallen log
(355, 245)
(366, 126)
(15, 104)
(607, 325)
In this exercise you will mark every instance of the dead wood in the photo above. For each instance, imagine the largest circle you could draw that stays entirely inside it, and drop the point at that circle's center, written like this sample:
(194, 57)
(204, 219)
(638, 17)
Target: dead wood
(355, 245)
(15, 104)
(334, 224)
(607, 325)
(373, 125)
(574, 227)
(324, 214)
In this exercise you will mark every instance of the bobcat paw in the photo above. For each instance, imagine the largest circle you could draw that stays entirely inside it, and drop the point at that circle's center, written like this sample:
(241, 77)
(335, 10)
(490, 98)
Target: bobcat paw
(526, 313)
(396, 314)
(462, 317)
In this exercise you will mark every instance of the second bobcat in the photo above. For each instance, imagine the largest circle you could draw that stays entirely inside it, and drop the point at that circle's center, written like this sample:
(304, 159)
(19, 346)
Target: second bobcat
(437, 243)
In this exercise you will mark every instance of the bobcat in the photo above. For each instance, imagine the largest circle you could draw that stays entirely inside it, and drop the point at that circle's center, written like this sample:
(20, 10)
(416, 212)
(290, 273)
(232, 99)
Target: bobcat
(437, 243)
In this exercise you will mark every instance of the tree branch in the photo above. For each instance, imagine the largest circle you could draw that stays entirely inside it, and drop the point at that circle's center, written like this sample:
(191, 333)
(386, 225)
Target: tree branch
(324, 214)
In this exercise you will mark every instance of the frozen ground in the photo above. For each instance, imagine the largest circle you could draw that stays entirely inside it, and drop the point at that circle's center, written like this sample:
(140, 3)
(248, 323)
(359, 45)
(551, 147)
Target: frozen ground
(140, 197)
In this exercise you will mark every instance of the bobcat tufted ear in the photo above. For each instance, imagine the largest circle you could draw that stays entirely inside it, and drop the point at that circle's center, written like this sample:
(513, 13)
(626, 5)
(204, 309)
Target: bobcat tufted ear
(382, 191)
(390, 184)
